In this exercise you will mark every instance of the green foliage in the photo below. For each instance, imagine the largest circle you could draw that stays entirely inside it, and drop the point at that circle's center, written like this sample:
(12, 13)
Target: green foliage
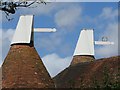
(107, 82)
(106, 78)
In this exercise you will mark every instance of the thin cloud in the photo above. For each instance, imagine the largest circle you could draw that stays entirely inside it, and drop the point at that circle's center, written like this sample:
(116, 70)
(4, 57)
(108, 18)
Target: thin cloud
(55, 64)
(109, 13)
(111, 32)
(6, 40)
(68, 17)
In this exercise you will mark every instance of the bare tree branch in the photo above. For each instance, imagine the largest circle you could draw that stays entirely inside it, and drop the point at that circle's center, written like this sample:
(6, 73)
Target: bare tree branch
(10, 7)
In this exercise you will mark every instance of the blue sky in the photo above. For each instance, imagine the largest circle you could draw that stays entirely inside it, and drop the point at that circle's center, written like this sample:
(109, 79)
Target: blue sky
(56, 49)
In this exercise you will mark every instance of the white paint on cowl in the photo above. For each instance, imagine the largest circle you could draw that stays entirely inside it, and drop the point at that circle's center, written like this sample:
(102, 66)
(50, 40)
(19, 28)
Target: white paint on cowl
(85, 44)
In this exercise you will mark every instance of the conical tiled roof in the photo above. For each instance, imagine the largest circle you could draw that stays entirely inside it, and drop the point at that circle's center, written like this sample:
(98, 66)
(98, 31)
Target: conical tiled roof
(82, 58)
(101, 73)
(23, 68)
